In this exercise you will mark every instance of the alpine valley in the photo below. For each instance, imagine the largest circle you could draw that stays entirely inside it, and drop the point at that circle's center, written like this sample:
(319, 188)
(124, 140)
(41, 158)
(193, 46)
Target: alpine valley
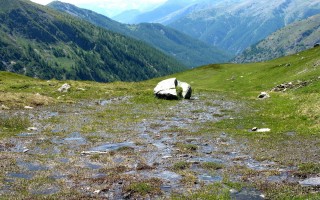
(184, 48)
(91, 108)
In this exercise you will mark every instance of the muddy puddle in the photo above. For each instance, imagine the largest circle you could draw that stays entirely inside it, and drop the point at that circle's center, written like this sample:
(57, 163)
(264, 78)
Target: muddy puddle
(68, 153)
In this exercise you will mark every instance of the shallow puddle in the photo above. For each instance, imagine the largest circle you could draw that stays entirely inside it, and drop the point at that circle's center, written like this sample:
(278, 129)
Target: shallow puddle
(112, 146)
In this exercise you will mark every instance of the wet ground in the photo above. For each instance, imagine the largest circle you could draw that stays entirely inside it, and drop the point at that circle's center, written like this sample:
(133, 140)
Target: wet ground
(97, 149)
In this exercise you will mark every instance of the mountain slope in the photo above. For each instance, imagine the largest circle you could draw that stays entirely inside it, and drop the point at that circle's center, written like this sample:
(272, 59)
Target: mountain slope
(40, 42)
(291, 39)
(163, 10)
(234, 25)
(185, 49)
(126, 16)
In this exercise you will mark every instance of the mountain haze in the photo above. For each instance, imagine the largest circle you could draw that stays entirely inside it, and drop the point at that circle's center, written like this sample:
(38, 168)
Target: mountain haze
(233, 25)
(163, 10)
(40, 42)
(291, 39)
(184, 48)
(126, 16)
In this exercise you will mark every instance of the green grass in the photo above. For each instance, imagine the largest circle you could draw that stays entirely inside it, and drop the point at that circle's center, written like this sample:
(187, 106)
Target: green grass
(187, 147)
(212, 165)
(309, 168)
(13, 124)
(142, 188)
(181, 165)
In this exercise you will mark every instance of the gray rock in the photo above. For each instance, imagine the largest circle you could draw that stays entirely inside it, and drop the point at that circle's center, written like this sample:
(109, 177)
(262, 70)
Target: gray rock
(64, 88)
(166, 89)
(310, 182)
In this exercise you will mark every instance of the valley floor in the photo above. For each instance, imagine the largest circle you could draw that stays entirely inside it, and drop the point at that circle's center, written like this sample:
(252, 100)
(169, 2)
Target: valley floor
(119, 149)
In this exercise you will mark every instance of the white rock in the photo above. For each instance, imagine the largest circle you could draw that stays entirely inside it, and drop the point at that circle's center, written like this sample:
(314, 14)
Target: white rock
(64, 88)
(3, 107)
(263, 95)
(32, 129)
(263, 130)
(28, 107)
(166, 157)
(166, 89)
(186, 89)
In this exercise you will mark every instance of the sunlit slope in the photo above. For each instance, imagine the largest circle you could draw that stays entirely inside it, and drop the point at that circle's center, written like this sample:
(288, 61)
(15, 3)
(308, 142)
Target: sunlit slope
(297, 109)
(256, 77)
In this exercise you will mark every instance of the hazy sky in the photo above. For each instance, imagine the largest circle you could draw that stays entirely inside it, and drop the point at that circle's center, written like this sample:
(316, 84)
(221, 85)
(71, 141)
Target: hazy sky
(110, 7)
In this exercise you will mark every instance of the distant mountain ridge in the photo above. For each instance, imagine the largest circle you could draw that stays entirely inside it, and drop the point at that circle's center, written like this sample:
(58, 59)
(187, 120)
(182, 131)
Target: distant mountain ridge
(184, 48)
(291, 39)
(234, 25)
(152, 16)
(40, 42)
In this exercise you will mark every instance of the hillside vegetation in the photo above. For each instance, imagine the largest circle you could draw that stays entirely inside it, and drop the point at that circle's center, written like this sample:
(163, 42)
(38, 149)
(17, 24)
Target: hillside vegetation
(39, 42)
(185, 49)
(291, 39)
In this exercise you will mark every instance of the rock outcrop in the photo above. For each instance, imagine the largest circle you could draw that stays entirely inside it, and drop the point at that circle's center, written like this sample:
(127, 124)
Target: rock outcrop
(172, 89)
(64, 88)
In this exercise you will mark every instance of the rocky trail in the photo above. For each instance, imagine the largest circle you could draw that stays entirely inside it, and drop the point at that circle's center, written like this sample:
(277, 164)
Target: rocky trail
(100, 149)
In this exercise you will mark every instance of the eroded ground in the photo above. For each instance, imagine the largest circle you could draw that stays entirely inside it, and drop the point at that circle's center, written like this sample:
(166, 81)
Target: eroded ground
(120, 149)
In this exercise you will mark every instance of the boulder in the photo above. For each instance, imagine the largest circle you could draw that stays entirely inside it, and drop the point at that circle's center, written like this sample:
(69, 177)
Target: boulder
(186, 89)
(263, 95)
(167, 89)
(64, 88)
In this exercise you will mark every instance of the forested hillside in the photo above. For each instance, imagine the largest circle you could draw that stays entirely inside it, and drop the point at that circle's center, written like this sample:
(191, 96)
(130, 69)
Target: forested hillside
(187, 50)
(40, 42)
